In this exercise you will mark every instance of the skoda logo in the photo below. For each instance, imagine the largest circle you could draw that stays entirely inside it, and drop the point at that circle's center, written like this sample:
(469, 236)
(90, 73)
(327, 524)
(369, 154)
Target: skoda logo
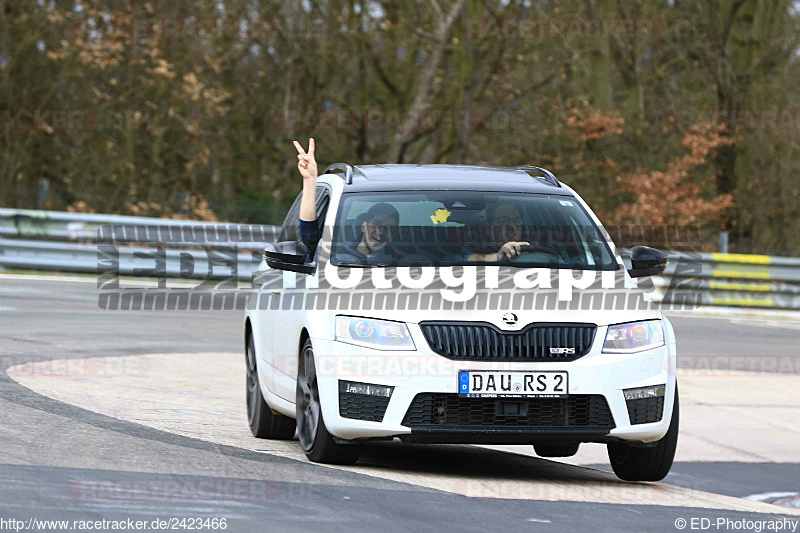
(510, 319)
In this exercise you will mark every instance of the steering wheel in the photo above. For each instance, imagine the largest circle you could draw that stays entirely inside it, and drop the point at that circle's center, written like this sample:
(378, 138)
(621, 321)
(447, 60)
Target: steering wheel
(526, 251)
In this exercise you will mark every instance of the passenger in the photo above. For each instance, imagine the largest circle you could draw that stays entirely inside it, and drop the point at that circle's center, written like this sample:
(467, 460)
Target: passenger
(375, 245)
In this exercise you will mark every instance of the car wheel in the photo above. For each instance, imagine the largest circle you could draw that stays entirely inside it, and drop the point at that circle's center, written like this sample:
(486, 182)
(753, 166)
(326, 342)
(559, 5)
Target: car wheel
(264, 424)
(319, 445)
(556, 450)
(647, 464)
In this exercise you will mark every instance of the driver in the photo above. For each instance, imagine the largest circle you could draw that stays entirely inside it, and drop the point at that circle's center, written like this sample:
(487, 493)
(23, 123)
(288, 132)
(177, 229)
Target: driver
(375, 246)
(377, 231)
(503, 231)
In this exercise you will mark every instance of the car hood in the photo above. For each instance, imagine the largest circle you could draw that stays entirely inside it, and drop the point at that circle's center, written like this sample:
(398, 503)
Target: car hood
(498, 317)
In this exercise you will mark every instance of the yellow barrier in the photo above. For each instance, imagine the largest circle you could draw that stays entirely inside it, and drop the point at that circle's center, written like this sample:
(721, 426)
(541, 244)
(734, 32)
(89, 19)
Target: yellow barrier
(742, 258)
(754, 302)
(753, 287)
(739, 274)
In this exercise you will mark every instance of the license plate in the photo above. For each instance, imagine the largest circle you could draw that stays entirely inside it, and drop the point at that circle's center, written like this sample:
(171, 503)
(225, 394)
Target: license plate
(512, 384)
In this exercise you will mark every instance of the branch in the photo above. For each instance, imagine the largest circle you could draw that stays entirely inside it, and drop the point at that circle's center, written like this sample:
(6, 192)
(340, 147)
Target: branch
(437, 9)
(726, 31)
(422, 98)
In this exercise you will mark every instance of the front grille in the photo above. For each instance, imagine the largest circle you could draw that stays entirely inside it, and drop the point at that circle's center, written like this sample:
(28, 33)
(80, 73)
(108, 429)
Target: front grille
(437, 410)
(361, 406)
(481, 341)
(646, 410)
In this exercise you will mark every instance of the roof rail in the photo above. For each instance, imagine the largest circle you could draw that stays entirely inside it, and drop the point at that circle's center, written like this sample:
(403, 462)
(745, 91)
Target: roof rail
(548, 176)
(341, 167)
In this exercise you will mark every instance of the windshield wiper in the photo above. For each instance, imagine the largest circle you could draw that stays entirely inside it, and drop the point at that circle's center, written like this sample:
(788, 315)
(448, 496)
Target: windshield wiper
(364, 265)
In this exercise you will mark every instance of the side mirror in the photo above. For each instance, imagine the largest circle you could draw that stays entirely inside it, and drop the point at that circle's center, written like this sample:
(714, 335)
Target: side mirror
(647, 261)
(290, 255)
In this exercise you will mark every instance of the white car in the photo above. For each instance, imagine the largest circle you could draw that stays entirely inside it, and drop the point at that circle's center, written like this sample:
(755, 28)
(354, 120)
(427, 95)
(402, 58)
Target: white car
(459, 304)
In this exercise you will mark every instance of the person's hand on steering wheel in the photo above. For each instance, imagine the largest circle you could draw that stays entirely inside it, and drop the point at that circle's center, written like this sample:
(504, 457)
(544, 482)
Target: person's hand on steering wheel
(512, 249)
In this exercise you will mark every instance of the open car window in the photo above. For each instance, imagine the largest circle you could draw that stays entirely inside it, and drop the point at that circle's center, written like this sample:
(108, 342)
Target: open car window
(290, 230)
(449, 227)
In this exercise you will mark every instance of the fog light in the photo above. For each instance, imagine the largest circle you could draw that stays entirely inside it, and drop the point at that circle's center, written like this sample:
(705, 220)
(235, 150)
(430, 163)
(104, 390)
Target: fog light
(368, 389)
(653, 391)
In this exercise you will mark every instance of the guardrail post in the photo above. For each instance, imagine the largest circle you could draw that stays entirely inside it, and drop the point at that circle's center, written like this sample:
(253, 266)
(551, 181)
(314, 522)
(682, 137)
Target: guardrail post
(44, 190)
(723, 242)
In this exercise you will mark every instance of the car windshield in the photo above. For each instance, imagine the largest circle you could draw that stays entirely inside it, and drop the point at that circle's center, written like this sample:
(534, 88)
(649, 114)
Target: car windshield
(467, 228)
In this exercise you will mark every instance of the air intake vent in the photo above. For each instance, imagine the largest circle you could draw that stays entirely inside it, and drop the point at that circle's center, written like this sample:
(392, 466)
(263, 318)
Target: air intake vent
(481, 341)
(645, 410)
(443, 410)
(361, 406)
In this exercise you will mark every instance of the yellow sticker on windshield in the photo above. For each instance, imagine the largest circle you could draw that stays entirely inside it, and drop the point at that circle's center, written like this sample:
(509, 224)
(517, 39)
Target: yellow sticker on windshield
(441, 216)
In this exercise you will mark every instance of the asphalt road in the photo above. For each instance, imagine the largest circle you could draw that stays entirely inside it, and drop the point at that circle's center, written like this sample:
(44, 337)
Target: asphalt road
(62, 462)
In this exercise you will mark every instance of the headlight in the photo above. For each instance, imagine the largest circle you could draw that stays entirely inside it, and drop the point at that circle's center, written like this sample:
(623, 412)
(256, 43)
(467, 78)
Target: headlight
(634, 337)
(371, 333)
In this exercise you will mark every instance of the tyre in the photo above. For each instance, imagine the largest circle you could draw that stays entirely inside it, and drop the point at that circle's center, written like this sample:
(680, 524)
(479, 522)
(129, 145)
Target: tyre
(264, 424)
(556, 450)
(318, 445)
(647, 464)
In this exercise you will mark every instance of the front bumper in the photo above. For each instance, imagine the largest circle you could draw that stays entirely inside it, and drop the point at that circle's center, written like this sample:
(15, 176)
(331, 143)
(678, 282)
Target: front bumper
(423, 372)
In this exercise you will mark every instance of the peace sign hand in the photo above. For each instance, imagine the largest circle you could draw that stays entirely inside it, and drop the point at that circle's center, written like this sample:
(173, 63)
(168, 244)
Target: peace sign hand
(306, 163)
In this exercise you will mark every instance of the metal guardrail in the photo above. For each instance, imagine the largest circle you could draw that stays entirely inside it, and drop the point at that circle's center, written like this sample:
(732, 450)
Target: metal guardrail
(89, 227)
(97, 243)
(210, 263)
(133, 246)
(740, 280)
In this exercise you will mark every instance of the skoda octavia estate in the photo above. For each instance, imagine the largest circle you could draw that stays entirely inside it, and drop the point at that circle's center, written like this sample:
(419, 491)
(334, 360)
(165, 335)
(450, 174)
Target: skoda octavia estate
(459, 304)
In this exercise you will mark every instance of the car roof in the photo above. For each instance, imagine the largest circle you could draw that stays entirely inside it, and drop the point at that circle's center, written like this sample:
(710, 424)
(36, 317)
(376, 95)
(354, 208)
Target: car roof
(404, 177)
